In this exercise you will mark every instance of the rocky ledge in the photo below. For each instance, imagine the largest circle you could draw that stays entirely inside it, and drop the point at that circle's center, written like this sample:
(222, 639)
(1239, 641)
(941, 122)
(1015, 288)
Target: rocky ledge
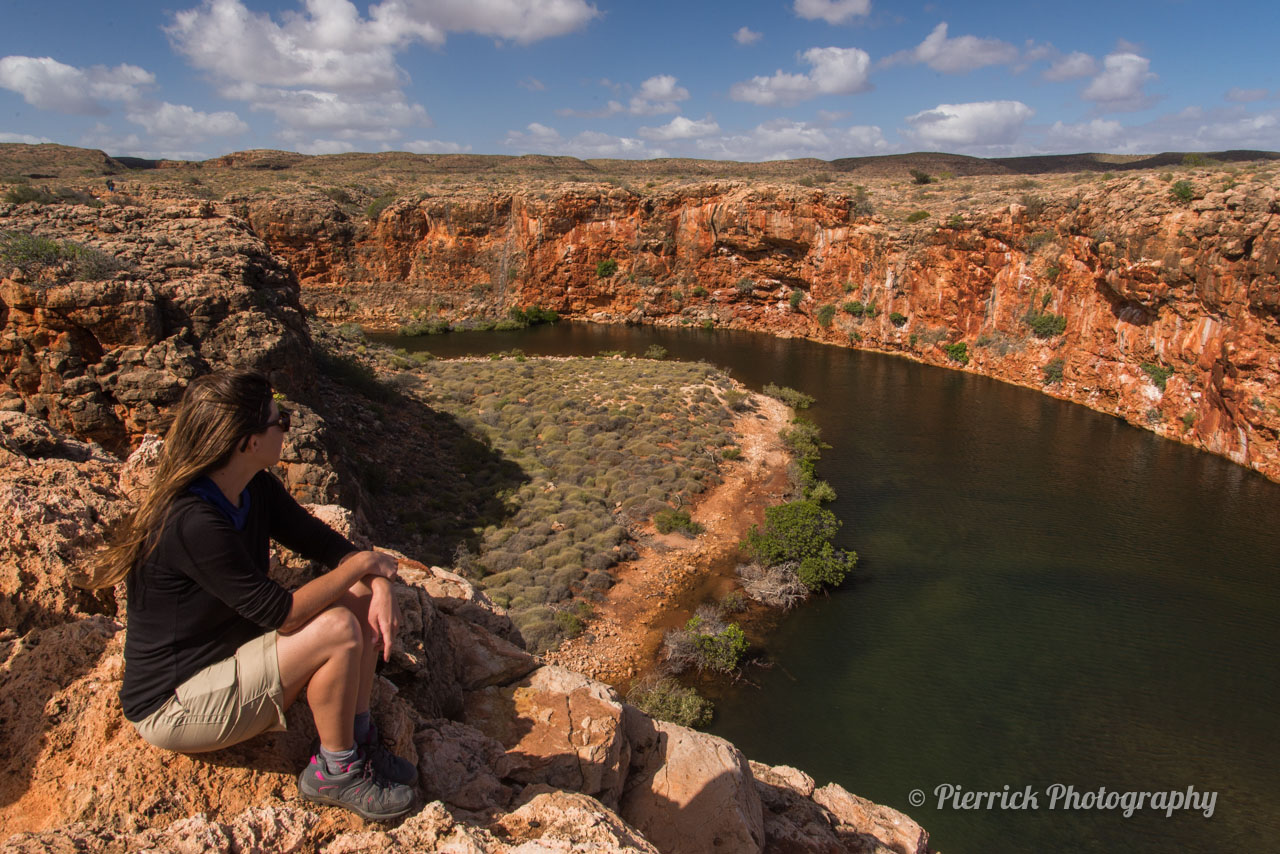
(513, 754)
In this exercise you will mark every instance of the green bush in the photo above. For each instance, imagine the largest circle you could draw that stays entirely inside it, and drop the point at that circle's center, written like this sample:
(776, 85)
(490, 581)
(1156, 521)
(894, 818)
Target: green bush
(797, 296)
(433, 326)
(1052, 371)
(656, 351)
(825, 315)
(707, 643)
(1159, 374)
(606, 268)
(700, 291)
(957, 352)
(800, 532)
(745, 286)
(731, 453)
(790, 396)
(917, 216)
(667, 700)
(919, 176)
(533, 315)
(31, 254)
(1182, 192)
(898, 320)
(378, 205)
(1047, 325)
(669, 520)
(853, 307)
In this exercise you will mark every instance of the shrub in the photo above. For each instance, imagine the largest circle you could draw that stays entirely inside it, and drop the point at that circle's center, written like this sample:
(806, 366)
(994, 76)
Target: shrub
(776, 586)
(731, 453)
(800, 532)
(797, 296)
(1159, 374)
(378, 205)
(700, 291)
(955, 221)
(825, 315)
(790, 396)
(1052, 371)
(533, 315)
(606, 268)
(861, 205)
(745, 286)
(1188, 420)
(957, 352)
(854, 307)
(1047, 325)
(656, 351)
(898, 320)
(917, 216)
(667, 700)
(1182, 192)
(32, 254)
(669, 520)
(433, 326)
(919, 176)
(820, 491)
(706, 642)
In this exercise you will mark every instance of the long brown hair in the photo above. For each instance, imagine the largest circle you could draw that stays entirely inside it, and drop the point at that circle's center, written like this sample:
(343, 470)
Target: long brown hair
(217, 412)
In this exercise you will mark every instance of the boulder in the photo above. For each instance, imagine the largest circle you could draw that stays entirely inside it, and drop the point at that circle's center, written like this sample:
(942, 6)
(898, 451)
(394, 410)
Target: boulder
(871, 828)
(689, 792)
(569, 822)
(559, 728)
(483, 659)
(460, 765)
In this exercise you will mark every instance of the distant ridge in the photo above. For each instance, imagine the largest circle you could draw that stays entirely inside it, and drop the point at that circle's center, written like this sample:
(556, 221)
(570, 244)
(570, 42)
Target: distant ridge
(19, 161)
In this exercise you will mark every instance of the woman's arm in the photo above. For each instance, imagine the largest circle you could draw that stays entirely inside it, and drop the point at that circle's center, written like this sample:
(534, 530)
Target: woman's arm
(319, 593)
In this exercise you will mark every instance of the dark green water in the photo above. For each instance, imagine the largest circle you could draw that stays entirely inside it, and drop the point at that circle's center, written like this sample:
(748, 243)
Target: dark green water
(1045, 595)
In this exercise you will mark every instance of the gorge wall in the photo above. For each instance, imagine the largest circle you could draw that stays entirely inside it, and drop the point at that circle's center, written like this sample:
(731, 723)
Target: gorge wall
(1185, 287)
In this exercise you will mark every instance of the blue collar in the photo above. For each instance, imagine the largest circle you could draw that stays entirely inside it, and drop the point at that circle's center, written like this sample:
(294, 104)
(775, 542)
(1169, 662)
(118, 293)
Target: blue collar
(209, 491)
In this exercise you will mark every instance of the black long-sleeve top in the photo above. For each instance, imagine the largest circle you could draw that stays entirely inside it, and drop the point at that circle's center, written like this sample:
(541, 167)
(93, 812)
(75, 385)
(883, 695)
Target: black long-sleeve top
(204, 590)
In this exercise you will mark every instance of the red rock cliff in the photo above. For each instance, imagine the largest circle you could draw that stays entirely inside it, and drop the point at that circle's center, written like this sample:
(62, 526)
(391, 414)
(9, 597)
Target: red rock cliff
(1187, 289)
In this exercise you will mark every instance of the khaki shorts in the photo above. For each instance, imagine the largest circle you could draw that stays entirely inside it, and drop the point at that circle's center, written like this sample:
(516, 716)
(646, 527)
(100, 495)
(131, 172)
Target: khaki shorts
(224, 704)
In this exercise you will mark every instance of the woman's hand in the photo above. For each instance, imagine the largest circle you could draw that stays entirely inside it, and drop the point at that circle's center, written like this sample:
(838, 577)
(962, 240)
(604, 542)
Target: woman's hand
(384, 614)
(372, 563)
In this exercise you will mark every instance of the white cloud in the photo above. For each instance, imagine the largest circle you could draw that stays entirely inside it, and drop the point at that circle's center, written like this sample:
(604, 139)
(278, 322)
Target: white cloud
(325, 146)
(434, 146)
(533, 84)
(1245, 96)
(836, 71)
(540, 139)
(1094, 135)
(982, 123)
(47, 84)
(784, 139)
(960, 54)
(832, 11)
(1192, 129)
(1119, 87)
(659, 94)
(25, 138)
(746, 35)
(681, 128)
(1071, 67)
(103, 137)
(327, 67)
(177, 121)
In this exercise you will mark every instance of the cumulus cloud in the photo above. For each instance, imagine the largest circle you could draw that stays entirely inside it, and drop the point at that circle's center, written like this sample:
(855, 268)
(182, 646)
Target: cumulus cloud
(784, 139)
(832, 11)
(957, 55)
(26, 138)
(681, 128)
(47, 84)
(1119, 87)
(1094, 135)
(1191, 129)
(836, 71)
(177, 121)
(435, 146)
(1245, 96)
(745, 36)
(326, 66)
(540, 139)
(1073, 66)
(982, 123)
(659, 94)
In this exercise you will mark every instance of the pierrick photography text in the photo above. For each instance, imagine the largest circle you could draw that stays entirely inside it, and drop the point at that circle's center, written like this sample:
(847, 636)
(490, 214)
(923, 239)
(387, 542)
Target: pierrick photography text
(1060, 796)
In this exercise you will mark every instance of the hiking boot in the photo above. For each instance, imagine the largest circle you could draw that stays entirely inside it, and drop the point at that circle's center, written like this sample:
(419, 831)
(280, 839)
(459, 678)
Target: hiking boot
(358, 787)
(385, 763)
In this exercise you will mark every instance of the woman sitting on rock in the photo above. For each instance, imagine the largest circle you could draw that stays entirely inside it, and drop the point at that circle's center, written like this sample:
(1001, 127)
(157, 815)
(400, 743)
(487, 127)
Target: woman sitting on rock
(215, 651)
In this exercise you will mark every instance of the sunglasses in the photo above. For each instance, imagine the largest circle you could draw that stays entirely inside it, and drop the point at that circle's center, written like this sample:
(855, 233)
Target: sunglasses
(281, 420)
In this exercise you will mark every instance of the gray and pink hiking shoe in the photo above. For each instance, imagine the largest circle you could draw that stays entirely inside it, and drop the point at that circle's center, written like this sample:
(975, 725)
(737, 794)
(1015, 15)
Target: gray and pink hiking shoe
(358, 787)
(388, 765)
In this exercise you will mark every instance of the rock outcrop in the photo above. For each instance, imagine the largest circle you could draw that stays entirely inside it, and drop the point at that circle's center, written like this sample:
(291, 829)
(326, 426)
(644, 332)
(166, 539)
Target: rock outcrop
(1143, 282)
(536, 758)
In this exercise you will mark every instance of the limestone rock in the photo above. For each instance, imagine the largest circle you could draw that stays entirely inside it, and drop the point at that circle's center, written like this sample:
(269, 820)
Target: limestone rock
(568, 822)
(871, 828)
(460, 765)
(688, 791)
(559, 728)
(484, 659)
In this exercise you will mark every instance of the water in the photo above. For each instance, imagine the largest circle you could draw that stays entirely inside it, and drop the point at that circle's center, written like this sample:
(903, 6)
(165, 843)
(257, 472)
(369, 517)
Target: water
(1045, 595)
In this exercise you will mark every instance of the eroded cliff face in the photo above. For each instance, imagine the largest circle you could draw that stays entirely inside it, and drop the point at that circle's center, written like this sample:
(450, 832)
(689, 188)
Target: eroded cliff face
(1187, 289)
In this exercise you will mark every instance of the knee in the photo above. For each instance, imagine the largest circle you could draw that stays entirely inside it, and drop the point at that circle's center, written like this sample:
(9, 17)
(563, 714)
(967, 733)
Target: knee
(338, 627)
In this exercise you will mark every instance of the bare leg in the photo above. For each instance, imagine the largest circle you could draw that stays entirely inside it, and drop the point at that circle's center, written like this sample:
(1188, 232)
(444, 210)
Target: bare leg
(333, 657)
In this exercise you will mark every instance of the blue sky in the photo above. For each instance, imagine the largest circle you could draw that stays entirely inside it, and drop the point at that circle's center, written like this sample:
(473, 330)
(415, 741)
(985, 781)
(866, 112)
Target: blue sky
(604, 78)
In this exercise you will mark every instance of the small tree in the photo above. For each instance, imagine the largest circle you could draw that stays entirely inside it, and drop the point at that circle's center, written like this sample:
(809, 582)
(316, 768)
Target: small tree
(825, 315)
(919, 176)
(797, 296)
(606, 268)
(800, 532)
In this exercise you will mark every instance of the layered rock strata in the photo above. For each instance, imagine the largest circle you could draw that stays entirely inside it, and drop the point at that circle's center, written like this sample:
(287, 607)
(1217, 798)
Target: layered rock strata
(1160, 310)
